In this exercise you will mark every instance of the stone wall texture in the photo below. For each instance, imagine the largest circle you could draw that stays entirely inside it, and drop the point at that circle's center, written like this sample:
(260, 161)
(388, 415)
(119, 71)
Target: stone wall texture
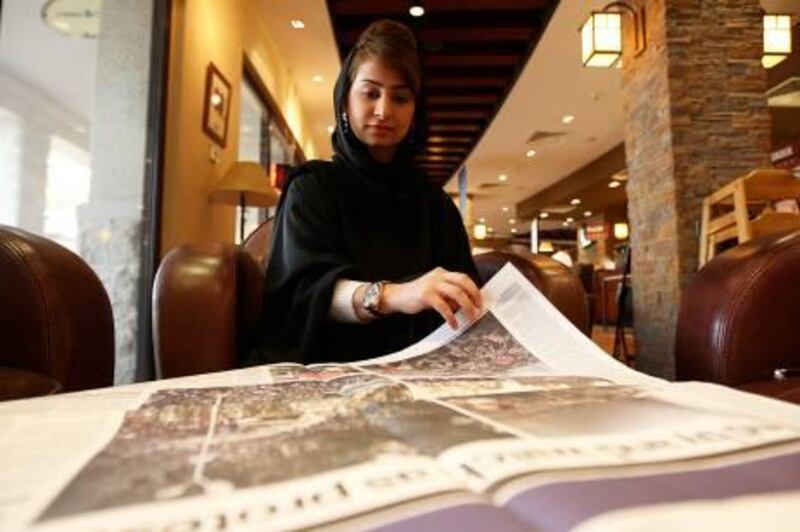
(695, 118)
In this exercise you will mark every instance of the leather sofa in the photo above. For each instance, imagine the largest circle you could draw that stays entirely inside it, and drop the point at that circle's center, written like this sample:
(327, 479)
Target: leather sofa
(207, 300)
(739, 319)
(55, 319)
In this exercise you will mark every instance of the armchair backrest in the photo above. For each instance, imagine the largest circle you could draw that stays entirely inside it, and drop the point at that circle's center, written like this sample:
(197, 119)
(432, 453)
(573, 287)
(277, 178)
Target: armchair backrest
(55, 315)
(740, 316)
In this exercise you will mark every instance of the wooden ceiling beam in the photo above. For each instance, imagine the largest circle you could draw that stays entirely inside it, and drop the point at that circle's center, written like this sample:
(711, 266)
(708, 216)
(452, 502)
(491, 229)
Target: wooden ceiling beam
(389, 7)
(437, 114)
(463, 34)
(442, 139)
(467, 60)
(468, 81)
(440, 128)
(478, 99)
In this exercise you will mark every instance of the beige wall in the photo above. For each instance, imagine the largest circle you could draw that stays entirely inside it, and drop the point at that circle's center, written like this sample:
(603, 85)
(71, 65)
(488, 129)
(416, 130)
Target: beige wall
(220, 32)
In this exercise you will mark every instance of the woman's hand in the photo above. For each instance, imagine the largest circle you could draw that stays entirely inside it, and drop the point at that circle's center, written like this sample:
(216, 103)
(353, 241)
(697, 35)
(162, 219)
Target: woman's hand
(444, 291)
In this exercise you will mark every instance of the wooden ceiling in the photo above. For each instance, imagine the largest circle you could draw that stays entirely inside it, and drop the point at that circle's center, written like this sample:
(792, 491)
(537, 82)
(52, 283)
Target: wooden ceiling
(471, 51)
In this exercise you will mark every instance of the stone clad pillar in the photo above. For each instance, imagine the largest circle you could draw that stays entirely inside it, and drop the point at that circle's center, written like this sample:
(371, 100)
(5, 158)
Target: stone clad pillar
(695, 118)
(111, 223)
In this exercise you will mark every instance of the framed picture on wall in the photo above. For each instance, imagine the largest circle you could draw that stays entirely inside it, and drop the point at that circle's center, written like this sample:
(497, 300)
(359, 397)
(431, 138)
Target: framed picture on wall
(216, 105)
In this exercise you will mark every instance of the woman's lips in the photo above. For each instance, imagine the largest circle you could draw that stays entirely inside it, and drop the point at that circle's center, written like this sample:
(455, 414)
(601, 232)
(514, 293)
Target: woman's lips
(380, 128)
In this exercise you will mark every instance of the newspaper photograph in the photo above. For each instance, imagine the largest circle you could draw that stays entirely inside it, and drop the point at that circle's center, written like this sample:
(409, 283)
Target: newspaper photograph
(461, 415)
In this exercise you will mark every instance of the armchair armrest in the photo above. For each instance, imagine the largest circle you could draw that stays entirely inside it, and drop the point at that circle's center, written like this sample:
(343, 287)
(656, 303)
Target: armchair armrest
(206, 309)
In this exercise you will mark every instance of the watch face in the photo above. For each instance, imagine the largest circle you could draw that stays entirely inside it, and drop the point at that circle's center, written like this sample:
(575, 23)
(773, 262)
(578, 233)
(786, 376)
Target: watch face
(371, 295)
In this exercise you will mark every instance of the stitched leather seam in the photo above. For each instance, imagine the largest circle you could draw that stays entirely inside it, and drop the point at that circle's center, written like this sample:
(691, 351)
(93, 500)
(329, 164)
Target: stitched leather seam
(752, 277)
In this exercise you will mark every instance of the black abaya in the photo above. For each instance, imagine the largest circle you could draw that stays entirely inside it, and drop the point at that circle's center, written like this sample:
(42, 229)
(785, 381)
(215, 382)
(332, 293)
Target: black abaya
(355, 218)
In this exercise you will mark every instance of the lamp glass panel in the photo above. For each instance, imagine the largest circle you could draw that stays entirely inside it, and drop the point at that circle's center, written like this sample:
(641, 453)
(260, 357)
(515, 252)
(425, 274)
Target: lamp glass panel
(769, 60)
(601, 40)
(602, 60)
(587, 40)
(777, 34)
(608, 32)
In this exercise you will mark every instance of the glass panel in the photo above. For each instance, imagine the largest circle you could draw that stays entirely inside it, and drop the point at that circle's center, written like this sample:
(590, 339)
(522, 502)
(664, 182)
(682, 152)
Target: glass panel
(260, 140)
(253, 146)
(73, 129)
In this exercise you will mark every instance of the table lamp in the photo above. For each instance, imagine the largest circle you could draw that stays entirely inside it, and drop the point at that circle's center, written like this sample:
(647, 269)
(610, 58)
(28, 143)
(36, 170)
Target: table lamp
(246, 183)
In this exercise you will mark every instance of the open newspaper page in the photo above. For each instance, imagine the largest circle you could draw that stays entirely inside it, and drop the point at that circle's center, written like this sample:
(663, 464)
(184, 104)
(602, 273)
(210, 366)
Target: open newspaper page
(464, 425)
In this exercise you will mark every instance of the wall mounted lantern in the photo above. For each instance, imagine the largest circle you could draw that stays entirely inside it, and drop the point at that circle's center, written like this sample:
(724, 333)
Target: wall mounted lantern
(601, 34)
(777, 39)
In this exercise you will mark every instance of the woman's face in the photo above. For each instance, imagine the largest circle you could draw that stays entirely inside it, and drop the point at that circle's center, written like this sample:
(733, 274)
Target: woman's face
(380, 108)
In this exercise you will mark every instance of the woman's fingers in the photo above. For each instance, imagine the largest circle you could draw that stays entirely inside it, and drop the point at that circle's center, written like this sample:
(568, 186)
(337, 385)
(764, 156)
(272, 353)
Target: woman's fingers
(440, 305)
(460, 296)
(466, 284)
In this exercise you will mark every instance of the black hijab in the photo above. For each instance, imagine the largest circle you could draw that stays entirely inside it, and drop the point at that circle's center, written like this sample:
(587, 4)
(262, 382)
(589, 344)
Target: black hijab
(355, 218)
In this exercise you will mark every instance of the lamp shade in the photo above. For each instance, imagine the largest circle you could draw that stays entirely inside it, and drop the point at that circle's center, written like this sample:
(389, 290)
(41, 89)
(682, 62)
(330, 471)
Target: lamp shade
(777, 39)
(601, 40)
(546, 247)
(246, 183)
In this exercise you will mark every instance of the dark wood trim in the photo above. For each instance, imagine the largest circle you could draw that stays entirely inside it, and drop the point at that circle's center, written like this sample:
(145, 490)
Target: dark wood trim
(275, 113)
(153, 184)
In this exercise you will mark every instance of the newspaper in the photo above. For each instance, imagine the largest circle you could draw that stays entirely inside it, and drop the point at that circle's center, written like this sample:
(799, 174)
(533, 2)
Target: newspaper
(469, 418)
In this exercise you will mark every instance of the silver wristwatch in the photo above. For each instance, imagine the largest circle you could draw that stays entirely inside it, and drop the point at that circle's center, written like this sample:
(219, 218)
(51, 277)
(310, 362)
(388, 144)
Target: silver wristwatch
(372, 298)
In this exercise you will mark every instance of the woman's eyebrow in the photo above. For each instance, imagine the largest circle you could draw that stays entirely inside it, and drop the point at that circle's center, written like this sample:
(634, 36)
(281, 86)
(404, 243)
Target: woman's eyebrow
(379, 84)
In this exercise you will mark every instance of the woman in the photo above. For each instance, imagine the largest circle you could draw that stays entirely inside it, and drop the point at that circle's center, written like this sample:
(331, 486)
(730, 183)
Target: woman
(367, 256)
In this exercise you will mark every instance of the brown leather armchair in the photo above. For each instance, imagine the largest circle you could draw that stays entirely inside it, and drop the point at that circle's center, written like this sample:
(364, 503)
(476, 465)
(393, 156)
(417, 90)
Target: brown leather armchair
(55, 319)
(739, 319)
(207, 300)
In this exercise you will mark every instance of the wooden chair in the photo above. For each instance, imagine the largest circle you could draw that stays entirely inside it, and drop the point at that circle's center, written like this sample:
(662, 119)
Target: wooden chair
(727, 212)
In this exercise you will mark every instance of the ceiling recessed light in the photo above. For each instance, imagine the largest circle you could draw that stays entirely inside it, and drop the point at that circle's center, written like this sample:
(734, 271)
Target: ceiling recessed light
(614, 184)
(530, 153)
(513, 229)
(416, 11)
(316, 78)
(490, 230)
(575, 201)
(505, 209)
(512, 221)
(544, 215)
(565, 224)
(570, 220)
(298, 24)
(502, 177)
(482, 220)
(567, 119)
(587, 213)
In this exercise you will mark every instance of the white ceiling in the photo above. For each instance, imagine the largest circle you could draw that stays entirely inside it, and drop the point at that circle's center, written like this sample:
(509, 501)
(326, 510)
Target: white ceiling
(553, 84)
(308, 52)
(62, 67)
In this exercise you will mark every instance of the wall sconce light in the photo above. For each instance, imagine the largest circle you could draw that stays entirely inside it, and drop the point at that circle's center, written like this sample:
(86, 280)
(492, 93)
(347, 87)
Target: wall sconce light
(777, 39)
(621, 231)
(479, 231)
(601, 34)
